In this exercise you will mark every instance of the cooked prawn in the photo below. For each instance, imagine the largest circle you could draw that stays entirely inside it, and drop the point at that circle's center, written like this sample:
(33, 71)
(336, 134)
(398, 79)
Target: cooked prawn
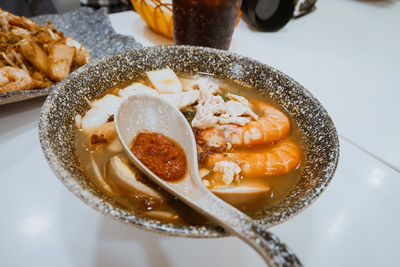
(14, 79)
(278, 159)
(273, 125)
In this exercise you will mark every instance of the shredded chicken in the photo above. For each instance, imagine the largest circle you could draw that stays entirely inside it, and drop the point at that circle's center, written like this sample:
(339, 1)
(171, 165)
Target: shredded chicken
(230, 171)
(212, 108)
(42, 51)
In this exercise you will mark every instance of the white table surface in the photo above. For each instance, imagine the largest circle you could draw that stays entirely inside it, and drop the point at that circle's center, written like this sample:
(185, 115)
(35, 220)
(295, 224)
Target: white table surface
(346, 53)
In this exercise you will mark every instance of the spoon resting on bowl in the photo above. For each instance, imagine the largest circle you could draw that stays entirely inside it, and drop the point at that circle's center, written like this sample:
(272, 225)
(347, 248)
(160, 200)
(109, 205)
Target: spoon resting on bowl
(148, 112)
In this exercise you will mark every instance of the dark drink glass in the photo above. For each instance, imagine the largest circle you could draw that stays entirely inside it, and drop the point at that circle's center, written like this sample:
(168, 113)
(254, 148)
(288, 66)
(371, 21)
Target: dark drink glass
(205, 22)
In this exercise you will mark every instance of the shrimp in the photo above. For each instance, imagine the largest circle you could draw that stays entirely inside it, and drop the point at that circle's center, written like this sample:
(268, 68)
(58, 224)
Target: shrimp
(272, 126)
(278, 159)
(14, 79)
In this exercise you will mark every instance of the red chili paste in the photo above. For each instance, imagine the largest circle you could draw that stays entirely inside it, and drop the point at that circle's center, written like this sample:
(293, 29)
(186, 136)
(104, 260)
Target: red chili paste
(161, 155)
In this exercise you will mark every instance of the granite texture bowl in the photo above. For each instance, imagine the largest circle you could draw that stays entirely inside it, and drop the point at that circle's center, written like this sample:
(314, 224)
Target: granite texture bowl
(68, 99)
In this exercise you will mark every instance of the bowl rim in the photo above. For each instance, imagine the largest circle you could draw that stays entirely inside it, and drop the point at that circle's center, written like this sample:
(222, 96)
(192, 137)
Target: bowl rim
(99, 204)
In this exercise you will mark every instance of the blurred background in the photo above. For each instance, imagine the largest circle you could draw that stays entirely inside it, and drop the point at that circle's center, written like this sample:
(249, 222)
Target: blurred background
(31, 8)
(65, 5)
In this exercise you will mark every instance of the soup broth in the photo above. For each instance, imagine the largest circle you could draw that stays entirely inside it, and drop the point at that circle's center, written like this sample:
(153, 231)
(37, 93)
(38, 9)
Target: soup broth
(159, 205)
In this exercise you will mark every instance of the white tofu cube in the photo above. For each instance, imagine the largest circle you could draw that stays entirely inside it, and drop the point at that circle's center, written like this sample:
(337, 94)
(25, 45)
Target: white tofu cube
(165, 81)
(134, 88)
(93, 119)
(108, 103)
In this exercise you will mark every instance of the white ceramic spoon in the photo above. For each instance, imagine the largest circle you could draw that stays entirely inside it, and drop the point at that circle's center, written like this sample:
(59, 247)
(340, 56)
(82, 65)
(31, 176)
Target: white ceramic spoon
(150, 112)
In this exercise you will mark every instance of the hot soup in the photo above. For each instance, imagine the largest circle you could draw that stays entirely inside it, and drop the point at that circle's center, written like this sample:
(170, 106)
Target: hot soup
(249, 149)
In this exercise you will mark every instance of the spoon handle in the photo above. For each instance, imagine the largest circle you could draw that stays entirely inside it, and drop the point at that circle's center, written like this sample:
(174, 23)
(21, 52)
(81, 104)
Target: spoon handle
(166, 119)
(271, 249)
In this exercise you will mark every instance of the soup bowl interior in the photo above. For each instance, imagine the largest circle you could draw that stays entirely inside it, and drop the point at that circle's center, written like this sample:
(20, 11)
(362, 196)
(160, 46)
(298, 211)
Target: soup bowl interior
(57, 132)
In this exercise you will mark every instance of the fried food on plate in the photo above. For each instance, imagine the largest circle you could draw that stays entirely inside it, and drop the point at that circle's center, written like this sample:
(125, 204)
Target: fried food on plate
(33, 56)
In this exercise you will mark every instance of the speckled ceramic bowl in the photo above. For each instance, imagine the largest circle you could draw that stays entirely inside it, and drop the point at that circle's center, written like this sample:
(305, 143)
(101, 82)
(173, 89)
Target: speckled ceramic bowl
(68, 99)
